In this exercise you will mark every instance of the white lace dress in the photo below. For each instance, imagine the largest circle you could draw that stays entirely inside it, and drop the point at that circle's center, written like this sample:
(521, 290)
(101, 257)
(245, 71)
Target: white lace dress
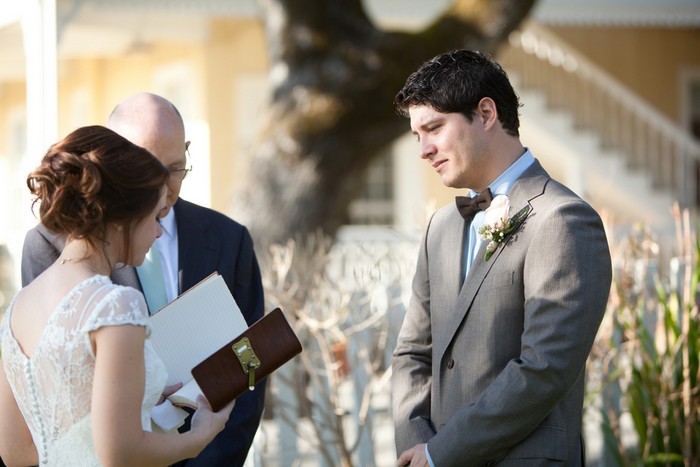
(53, 387)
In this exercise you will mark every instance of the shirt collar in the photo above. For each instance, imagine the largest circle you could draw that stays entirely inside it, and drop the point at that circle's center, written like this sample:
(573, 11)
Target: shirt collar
(168, 223)
(504, 182)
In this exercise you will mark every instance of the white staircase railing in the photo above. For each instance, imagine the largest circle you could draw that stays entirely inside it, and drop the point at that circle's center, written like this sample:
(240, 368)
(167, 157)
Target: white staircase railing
(649, 141)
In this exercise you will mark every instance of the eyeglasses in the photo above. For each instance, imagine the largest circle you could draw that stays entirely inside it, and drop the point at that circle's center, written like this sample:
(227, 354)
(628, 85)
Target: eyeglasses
(184, 171)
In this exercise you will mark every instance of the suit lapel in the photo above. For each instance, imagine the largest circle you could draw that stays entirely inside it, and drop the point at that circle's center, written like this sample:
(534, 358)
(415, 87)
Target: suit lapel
(455, 243)
(529, 186)
(197, 253)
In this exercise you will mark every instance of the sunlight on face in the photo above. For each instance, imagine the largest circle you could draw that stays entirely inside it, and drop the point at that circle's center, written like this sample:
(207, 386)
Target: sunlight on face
(452, 145)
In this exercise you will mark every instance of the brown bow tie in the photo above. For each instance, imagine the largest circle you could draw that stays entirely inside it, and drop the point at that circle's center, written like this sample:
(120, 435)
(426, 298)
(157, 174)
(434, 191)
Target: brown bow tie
(469, 206)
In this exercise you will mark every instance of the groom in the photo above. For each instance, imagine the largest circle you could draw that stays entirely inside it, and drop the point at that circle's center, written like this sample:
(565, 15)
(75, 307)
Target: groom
(489, 364)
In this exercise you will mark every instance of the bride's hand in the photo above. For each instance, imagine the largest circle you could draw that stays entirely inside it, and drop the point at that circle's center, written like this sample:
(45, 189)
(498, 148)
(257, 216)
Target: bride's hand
(168, 390)
(210, 423)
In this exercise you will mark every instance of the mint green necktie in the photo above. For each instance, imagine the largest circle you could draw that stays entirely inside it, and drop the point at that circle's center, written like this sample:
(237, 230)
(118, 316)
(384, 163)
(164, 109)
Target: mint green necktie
(152, 281)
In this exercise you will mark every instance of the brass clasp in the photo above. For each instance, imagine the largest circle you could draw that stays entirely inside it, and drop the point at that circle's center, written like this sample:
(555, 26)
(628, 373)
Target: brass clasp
(249, 361)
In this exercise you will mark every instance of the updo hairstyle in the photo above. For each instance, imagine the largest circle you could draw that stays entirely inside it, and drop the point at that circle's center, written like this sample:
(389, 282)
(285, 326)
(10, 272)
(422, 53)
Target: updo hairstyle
(93, 178)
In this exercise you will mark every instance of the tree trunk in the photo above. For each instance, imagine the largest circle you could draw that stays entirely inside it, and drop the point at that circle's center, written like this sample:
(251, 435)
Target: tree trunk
(334, 75)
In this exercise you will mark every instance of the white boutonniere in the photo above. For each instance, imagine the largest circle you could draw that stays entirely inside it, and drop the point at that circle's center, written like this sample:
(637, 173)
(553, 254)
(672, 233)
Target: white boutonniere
(497, 225)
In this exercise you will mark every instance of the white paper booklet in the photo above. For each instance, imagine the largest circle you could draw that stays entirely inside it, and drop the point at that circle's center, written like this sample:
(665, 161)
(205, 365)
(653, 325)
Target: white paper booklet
(193, 326)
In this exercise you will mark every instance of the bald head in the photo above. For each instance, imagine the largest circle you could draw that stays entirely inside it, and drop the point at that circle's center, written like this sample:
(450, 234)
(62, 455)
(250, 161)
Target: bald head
(152, 122)
(145, 119)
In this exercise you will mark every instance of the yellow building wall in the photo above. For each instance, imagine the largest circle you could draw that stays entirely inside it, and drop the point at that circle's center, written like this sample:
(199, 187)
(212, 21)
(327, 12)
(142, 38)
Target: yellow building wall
(236, 49)
(108, 80)
(12, 97)
(90, 87)
(648, 60)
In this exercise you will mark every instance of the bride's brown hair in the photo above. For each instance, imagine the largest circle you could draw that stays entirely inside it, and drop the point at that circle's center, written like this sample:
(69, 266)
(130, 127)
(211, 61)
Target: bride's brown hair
(93, 178)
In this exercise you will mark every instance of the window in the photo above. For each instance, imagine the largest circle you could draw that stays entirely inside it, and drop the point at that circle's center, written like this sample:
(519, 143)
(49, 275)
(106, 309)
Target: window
(375, 204)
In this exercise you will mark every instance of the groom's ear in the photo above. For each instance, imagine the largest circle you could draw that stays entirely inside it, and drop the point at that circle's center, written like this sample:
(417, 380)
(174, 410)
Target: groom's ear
(487, 113)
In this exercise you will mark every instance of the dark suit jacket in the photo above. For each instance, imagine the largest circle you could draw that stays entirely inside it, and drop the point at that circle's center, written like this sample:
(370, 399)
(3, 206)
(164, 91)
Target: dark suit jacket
(208, 241)
(492, 371)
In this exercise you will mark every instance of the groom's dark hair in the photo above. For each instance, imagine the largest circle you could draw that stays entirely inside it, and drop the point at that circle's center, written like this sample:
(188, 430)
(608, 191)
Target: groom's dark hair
(455, 82)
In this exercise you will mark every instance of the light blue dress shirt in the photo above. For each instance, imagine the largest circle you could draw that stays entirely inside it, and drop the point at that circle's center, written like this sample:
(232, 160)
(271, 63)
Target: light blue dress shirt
(500, 186)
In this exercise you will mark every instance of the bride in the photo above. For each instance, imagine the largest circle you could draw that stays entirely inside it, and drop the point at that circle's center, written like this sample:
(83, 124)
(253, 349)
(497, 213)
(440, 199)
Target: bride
(79, 377)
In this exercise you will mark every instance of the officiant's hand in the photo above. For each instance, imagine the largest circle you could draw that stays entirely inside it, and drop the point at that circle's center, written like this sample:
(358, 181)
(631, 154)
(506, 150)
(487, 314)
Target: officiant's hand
(209, 423)
(167, 390)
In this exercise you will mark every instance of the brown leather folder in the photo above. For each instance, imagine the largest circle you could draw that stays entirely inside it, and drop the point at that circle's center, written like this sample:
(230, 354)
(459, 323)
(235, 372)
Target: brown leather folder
(265, 346)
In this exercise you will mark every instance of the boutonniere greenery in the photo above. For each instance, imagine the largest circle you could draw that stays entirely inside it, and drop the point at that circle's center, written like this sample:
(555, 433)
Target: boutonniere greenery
(497, 225)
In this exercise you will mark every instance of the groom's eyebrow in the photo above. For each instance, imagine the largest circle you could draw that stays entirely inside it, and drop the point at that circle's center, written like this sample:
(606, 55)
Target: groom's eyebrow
(425, 126)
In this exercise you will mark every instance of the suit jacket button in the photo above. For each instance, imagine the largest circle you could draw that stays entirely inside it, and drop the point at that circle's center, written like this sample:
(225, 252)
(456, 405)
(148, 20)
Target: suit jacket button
(450, 364)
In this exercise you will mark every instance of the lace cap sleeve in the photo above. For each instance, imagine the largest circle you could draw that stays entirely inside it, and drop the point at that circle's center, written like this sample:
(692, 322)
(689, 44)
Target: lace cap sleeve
(116, 306)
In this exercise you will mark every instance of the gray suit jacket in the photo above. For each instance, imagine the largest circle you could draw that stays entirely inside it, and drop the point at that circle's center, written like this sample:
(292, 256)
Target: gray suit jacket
(492, 371)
